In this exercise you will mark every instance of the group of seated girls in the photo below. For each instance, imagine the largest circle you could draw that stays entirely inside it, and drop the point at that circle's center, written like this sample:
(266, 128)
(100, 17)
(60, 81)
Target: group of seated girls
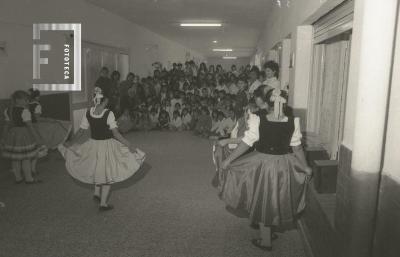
(182, 103)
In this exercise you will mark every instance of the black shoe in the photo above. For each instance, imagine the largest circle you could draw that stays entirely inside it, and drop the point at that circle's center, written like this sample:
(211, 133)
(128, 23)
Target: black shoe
(35, 181)
(257, 243)
(96, 198)
(18, 181)
(106, 208)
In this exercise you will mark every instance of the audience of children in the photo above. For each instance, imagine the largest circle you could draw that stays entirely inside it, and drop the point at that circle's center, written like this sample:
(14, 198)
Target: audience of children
(203, 99)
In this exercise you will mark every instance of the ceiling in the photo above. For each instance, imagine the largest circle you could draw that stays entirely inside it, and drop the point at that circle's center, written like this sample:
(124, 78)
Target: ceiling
(243, 21)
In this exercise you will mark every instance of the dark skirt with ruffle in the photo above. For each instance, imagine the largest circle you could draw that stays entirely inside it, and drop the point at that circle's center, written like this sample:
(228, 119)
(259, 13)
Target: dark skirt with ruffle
(270, 188)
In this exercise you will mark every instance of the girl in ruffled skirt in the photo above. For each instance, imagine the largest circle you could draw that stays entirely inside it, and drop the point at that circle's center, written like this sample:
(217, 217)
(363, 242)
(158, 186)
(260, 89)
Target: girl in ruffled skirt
(20, 142)
(106, 158)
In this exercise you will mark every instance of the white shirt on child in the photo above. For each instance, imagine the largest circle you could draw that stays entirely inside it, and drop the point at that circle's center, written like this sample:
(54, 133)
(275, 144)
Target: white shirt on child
(177, 123)
(234, 133)
(252, 134)
(186, 119)
(111, 122)
(256, 84)
(226, 126)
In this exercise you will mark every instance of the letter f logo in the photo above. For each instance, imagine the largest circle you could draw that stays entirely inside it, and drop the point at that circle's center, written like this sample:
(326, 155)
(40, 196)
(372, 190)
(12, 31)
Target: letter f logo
(37, 61)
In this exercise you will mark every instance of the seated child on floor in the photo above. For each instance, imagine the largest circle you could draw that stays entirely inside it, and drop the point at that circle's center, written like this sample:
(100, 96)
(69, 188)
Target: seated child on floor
(217, 118)
(163, 120)
(153, 118)
(227, 124)
(124, 122)
(203, 125)
(186, 119)
(176, 122)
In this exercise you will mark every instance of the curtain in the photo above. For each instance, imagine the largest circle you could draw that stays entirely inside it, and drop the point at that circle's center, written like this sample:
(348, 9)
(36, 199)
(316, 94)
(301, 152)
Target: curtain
(331, 104)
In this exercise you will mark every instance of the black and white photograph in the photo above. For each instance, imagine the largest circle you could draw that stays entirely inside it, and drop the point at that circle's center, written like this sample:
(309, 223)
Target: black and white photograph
(199, 128)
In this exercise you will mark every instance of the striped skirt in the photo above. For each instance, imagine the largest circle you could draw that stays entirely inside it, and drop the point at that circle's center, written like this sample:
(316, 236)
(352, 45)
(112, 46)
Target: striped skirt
(19, 144)
(270, 188)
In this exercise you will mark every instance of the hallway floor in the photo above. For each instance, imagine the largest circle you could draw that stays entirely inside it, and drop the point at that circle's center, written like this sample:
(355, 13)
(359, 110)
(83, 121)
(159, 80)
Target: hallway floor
(168, 209)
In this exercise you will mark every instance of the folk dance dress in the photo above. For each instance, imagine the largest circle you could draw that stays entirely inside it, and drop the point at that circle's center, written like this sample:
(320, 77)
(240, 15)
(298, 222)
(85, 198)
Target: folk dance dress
(19, 142)
(268, 183)
(102, 159)
(53, 132)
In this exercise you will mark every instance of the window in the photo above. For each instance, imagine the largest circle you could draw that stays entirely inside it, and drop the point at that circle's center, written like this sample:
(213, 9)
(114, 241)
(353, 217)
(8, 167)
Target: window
(327, 92)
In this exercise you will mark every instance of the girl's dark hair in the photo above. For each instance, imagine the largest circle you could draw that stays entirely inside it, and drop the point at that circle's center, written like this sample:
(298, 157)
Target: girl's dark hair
(274, 66)
(115, 73)
(260, 93)
(34, 93)
(130, 74)
(19, 94)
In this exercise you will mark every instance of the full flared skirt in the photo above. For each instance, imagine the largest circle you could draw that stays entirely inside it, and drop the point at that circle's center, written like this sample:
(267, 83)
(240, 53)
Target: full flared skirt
(20, 144)
(101, 161)
(270, 188)
(53, 132)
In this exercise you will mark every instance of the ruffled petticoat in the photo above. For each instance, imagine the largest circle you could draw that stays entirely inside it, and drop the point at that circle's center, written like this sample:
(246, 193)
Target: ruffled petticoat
(101, 161)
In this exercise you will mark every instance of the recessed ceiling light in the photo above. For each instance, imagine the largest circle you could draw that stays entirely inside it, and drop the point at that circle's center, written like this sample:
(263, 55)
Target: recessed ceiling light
(229, 57)
(215, 41)
(201, 24)
(222, 50)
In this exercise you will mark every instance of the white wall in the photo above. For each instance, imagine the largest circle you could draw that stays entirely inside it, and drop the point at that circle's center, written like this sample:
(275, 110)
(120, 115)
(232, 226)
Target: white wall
(98, 25)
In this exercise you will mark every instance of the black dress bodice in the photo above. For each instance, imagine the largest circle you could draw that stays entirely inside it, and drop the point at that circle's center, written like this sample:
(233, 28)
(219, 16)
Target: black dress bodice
(32, 107)
(99, 128)
(274, 137)
(15, 115)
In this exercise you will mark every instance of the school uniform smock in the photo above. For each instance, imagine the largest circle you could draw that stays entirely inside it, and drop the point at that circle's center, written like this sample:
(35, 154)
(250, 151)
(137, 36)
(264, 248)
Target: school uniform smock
(53, 132)
(19, 143)
(268, 182)
(256, 84)
(101, 159)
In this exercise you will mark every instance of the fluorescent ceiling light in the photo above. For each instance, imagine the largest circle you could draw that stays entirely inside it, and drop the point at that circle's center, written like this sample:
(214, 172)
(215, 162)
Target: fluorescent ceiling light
(229, 57)
(201, 24)
(222, 50)
(215, 41)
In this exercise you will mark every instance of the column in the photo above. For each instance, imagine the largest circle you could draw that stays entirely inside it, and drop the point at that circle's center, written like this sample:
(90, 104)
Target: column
(373, 32)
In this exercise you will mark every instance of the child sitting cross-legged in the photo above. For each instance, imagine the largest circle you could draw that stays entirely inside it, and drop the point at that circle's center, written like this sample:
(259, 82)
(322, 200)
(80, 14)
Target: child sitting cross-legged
(176, 122)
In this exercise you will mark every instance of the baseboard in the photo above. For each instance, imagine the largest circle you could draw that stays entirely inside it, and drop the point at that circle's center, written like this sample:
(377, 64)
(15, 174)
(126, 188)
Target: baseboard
(304, 237)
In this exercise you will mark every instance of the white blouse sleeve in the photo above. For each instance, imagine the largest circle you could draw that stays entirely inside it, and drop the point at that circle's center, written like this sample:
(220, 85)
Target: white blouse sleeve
(111, 121)
(26, 115)
(84, 122)
(38, 109)
(251, 135)
(6, 117)
(296, 137)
